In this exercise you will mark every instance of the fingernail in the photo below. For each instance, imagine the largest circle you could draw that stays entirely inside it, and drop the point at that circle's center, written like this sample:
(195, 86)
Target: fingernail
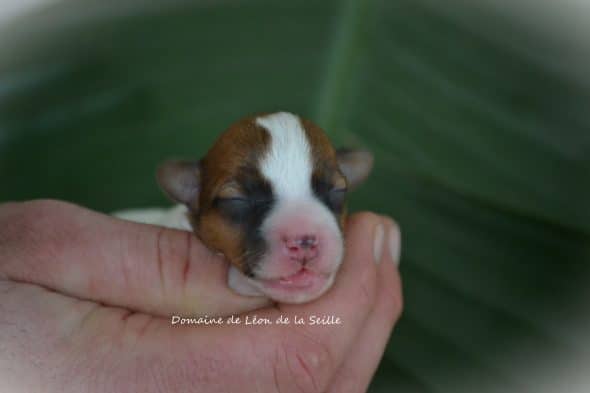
(395, 243)
(378, 243)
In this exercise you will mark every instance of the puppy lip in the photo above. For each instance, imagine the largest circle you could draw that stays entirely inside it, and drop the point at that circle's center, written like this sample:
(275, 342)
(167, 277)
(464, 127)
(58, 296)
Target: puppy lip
(302, 279)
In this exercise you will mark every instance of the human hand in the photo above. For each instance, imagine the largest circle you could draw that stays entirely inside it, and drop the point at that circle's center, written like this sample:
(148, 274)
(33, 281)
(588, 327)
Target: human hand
(86, 301)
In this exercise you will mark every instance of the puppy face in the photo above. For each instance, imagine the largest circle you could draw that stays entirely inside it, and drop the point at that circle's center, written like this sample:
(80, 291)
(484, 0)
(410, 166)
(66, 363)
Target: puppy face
(270, 196)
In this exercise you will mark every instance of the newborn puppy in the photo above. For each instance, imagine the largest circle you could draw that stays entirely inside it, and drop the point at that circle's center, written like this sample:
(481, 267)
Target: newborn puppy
(269, 196)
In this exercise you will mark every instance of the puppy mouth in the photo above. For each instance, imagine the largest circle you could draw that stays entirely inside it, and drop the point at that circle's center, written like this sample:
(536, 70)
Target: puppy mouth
(302, 279)
(302, 286)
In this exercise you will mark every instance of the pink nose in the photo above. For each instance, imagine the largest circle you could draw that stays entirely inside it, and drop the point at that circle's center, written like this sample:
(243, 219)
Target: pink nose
(302, 248)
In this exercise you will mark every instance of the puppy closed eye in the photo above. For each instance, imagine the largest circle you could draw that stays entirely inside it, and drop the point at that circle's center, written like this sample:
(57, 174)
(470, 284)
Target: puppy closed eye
(332, 193)
(336, 198)
(237, 208)
(233, 207)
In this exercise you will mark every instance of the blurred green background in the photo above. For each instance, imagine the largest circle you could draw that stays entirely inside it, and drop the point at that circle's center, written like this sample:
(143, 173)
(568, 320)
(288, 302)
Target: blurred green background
(481, 137)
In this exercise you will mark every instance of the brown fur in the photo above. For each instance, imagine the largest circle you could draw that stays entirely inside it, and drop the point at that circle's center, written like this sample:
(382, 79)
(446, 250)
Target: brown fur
(239, 146)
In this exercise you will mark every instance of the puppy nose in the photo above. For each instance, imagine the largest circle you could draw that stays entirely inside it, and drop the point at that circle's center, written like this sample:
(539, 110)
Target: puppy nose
(301, 248)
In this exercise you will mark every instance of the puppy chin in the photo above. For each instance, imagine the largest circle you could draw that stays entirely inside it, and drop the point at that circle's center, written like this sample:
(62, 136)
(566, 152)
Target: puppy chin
(301, 287)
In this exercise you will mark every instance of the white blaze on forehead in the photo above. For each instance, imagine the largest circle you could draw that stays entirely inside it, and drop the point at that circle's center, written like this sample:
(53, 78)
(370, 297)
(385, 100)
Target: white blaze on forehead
(287, 163)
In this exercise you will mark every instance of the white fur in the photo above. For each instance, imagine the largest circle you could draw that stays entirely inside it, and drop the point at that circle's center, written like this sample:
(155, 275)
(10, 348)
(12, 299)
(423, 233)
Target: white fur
(288, 162)
(288, 166)
(241, 284)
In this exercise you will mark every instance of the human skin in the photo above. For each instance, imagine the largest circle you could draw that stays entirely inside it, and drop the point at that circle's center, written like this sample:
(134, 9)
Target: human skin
(86, 301)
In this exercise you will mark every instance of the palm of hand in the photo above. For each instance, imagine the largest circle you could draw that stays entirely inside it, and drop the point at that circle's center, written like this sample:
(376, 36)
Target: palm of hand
(87, 300)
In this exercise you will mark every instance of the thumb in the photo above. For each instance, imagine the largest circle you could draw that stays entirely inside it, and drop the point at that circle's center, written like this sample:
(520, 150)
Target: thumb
(92, 256)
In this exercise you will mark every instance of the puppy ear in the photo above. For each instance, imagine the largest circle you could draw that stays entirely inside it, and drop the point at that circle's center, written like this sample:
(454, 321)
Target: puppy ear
(180, 180)
(355, 165)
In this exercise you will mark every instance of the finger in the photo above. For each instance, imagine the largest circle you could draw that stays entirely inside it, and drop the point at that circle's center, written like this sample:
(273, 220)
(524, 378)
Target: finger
(358, 369)
(150, 353)
(93, 256)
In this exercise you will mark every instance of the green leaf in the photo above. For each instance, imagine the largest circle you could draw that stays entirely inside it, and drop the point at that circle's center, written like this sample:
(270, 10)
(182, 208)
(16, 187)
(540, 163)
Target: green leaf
(482, 147)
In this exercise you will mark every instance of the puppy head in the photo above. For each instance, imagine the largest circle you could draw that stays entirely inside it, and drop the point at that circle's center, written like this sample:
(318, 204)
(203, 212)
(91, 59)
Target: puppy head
(270, 196)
